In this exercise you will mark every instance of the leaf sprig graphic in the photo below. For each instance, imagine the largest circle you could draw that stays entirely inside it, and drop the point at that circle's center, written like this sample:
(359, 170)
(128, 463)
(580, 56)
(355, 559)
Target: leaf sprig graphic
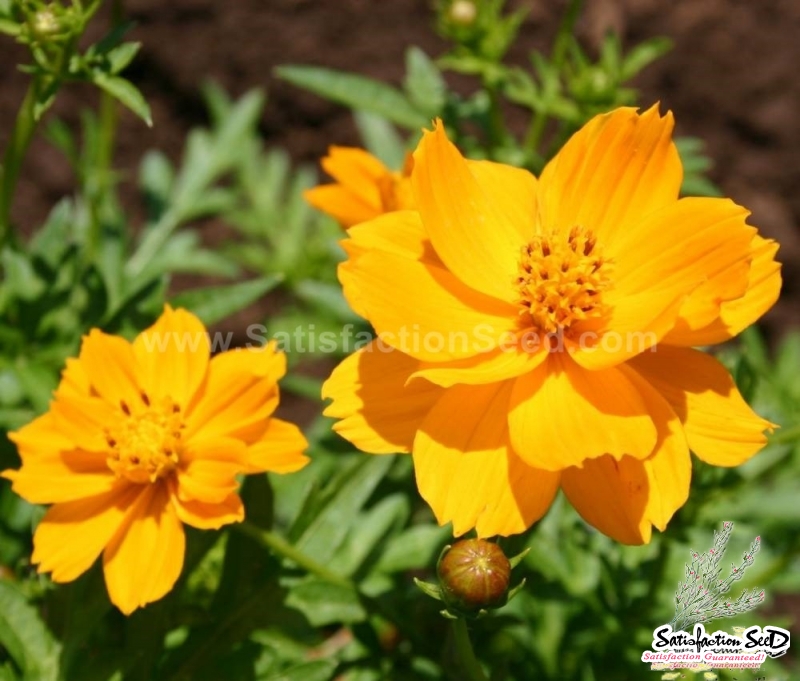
(701, 595)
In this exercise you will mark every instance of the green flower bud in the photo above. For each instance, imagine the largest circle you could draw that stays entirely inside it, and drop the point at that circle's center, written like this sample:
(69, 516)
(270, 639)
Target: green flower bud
(474, 575)
(45, 23)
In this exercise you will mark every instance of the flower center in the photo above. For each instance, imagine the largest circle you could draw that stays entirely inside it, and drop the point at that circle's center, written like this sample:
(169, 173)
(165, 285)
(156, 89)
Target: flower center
(561, 280)
(145, 442)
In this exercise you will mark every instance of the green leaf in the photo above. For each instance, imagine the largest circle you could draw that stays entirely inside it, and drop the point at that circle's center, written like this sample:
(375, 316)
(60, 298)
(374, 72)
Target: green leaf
(19, 277)
(326, 519)
(414, 549)
(327, 297)
(215, 303)
(324, 603)
(381, 139)
(644, 54)
(319, 670)
(25, 636)
(121, 56)
(126, 92)
(356, 92)
(424, 85)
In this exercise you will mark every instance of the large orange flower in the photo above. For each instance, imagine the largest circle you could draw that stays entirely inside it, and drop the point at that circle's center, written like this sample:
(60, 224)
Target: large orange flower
(141, 438)
(364, 189)
(537, 333)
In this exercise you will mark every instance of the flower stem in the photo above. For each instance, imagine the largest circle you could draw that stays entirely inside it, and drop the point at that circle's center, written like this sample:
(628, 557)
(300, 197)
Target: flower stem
(279, 545)
(20, 139)
(466, 655)
(559, 55)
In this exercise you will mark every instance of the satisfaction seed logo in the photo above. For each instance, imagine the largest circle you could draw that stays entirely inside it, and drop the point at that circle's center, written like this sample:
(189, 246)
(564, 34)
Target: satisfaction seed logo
(703, 595)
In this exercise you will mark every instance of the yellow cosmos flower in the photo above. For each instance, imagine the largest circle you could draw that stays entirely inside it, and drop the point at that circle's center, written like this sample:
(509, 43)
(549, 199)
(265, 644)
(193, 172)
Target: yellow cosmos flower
(536, 334)
(365, 188)
(141, 438)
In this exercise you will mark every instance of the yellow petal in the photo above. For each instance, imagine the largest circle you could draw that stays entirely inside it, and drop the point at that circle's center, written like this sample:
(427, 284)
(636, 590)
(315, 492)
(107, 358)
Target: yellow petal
(111, 367)
(466, 470)
(454, 322)
(490, 367)
(379, 413)
(617, 169)
(720, 427)
(72, 535)
(239, 395)
(173, 356)
(657, 264)
(206, 516)
(55, 477)
(280, 449)
(561, 415)
(144, 559)
(763, 289)
(356, 169)
(208, 469)
(478, 222)
(625, 498)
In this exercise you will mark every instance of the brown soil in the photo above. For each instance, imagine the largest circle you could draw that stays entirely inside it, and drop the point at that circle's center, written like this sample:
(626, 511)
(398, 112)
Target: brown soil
(731, 80)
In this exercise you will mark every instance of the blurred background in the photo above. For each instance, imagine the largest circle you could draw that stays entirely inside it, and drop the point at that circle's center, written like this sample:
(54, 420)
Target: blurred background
(731, 79)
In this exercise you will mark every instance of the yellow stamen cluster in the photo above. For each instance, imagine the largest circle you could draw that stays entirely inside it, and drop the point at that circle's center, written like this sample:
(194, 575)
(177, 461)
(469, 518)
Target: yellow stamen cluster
(561, 279)
(145, 442)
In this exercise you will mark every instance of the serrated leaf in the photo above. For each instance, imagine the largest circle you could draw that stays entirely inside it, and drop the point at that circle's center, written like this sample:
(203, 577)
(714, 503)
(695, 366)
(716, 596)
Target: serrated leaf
(126, 92)
(356, 92)
(25, 636)
(215, 303)
(424, 85)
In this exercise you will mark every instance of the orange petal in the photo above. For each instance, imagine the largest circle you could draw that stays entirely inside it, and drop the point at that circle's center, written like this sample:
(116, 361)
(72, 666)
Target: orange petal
(561, 415)
(617, 169)
(205, 516)
(490, 367)
(763, 289)
(379, 413)
(144, 559)
(57, 477)
(478, 217)
(466, 470)
(356, 169)
(658, 263)
(83, 420)
(208, 469)
(401, 233)
(72, 535)
(342, 204)
(173, 356)
(40, 437)
(111, 367)
(454, 322)
(240, 394)
(280, 449)
(74, 381)
(625, 498)
(720, 427)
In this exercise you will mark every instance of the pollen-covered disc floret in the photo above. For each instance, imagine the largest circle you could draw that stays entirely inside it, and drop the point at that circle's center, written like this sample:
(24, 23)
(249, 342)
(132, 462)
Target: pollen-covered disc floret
(561, 280)
(145, 443)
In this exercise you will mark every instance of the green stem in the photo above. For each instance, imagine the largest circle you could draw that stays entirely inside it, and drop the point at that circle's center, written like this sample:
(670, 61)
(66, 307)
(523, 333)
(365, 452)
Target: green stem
(279, 545)
(20, 140)
(466, 655)
(784, 436)
(557, 59)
